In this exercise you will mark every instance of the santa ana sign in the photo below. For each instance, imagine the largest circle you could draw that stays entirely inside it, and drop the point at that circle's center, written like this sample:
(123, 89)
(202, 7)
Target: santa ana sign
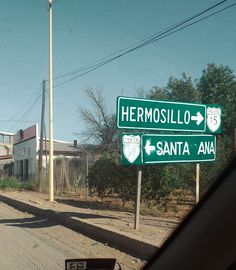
(157, 148)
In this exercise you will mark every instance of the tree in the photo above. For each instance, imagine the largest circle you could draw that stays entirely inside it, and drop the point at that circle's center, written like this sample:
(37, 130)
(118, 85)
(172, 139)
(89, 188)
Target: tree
(158, 93)
(100, 125)
(177, 175)
(182, 89)
(210, 170)
(108, 177)
(140, 93)
(218, 85)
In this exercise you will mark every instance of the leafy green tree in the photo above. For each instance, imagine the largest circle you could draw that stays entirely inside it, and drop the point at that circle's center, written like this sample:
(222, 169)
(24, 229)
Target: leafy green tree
(182, 89)
(177, 175)
(158, 93)
(218, 85)
(210, 170)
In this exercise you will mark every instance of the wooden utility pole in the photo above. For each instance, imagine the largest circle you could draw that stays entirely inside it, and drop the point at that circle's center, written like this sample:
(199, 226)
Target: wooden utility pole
(40, 160)
(46, 150)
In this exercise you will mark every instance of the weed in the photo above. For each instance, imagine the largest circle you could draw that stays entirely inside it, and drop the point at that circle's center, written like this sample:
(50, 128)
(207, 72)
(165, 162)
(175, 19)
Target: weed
(9, 184)
(14, 184)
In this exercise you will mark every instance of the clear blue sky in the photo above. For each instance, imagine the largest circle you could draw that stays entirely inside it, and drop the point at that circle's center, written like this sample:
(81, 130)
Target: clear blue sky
(85, 31)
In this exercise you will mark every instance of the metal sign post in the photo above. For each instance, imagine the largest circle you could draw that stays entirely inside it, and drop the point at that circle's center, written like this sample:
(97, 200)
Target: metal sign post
(197, 181)
(87, 179)
(138, 197)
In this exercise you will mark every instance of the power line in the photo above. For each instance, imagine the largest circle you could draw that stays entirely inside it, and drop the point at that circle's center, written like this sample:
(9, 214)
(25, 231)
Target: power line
(169, 28)
(162, 34)
(188, 25)
(26, 112)
(29, 109)
(36, 92)
(105, 60)
(13, 121)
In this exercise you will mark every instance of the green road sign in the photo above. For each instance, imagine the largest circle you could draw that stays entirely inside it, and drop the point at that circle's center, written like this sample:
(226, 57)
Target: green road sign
(152, 148)
(134, 113)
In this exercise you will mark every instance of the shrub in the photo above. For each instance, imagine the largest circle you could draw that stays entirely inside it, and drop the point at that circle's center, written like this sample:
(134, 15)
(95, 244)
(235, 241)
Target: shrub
(14, 184)
(29, 185)
(107, 177)
(9, 184)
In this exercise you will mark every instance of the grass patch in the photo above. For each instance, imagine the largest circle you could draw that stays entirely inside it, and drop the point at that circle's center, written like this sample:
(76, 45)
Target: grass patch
(29, 185)
(14, 184)
(9, 184)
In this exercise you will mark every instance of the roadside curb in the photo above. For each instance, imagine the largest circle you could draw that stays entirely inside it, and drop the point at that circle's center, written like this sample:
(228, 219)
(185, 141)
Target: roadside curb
(124, 243)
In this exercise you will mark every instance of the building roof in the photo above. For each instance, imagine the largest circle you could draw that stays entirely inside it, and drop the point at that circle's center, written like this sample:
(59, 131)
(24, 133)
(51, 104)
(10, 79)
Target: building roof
(7, 133)
(59, 147)
(68, 148)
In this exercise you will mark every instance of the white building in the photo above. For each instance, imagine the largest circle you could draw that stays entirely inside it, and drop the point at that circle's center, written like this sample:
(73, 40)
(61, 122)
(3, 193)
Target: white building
(6, 157)
(26, 152)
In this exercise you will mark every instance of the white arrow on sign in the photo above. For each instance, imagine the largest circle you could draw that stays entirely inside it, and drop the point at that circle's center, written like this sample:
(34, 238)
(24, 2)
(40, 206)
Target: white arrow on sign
(149, 148)
(198, 118)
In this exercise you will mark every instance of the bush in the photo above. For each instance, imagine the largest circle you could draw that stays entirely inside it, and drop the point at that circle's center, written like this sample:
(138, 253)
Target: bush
(14, 184)
(9, 184)
(102, 177)
(107, 177)
(29, 185)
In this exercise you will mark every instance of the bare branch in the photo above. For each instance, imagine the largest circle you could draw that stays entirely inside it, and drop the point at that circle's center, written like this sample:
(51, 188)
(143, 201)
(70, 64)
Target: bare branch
(100, 125)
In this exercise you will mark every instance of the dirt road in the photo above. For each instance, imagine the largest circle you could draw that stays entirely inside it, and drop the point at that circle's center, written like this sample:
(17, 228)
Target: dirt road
(153, 230)
(28, 242)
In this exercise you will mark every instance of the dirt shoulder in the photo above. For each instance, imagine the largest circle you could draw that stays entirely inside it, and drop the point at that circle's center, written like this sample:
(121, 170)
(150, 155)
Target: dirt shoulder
(34, 243)
(153, 230)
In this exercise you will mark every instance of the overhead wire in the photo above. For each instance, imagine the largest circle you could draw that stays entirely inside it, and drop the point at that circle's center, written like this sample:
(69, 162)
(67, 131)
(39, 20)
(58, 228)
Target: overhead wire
(192, 23)
(91, 65)
(162, 34)
(35, 92)
(105, 60)
(13, 121)
(25, 113)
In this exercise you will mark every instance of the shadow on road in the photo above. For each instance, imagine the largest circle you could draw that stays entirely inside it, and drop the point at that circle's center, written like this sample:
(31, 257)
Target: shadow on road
(33, 222)
(39, 222)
